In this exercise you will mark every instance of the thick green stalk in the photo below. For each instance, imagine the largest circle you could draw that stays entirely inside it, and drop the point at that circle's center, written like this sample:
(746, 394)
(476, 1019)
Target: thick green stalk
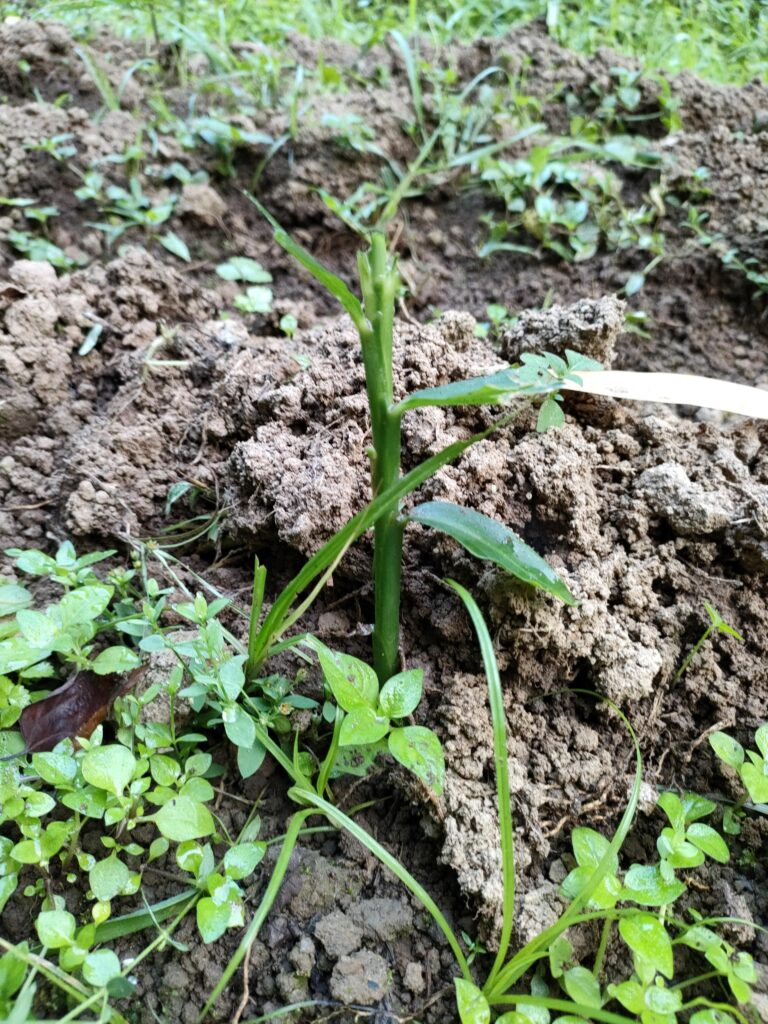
(380, 281)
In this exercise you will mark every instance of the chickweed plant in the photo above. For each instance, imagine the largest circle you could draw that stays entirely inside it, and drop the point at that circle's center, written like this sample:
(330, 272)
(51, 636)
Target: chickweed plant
(751, 767)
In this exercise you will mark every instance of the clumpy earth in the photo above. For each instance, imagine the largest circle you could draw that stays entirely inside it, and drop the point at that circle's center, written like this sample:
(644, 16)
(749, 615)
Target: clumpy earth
(646, 512)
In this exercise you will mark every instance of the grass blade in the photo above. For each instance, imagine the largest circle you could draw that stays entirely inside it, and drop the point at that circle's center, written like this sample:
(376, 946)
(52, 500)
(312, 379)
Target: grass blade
(500, 757)
(334, 284)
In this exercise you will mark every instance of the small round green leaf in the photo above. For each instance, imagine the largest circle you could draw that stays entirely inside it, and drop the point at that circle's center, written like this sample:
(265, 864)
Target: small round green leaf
(108, 878)
(114, 659)
(361, 727)
(727, 748)
(471, 1003)
(420, 751)
(401, 694)
(101, 967)
(212, 919)
(110, 768)
(182, 818)
(55, 928)
(644, 884)
(583, 987)
(708, 841)
(755, 779)
(241, 860)
(647, 937)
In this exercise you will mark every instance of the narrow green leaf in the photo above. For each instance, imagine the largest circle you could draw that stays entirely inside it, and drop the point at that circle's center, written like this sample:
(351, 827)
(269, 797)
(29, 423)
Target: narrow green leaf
(280, 612)
(492, 541)
(492, 389)
(175, 245)
(334, 284)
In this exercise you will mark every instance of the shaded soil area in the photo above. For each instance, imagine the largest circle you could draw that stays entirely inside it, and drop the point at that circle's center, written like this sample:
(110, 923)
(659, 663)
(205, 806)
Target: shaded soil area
(645, 512)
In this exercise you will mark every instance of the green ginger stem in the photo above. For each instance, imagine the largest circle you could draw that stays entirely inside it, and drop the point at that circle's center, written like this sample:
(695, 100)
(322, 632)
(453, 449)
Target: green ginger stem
(380, 283)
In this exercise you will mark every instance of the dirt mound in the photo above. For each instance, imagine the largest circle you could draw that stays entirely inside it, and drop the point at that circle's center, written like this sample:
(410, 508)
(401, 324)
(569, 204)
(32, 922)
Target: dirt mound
(644, 514)
(52, 398)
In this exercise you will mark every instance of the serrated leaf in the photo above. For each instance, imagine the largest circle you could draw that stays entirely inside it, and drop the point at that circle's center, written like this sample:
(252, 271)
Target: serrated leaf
(492, 541)
(84, 604)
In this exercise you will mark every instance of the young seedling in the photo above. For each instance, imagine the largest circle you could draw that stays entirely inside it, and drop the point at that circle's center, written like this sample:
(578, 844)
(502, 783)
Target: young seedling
(752, 768)
(716, 623)
(374, 320)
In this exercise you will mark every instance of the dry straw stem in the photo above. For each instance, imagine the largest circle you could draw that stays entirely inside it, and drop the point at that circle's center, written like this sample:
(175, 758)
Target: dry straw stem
(674, 389)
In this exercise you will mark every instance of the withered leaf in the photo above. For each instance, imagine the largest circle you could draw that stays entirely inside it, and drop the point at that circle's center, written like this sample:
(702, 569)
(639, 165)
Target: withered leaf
(74, 709)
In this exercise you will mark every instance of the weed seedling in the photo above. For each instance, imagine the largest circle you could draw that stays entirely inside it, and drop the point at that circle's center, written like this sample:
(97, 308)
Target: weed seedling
(751, 767)
(716, 624)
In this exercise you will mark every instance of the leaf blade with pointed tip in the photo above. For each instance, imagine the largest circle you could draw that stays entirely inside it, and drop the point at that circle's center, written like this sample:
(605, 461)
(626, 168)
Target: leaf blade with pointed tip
(492, 541)
(334, 284)
(490, 389)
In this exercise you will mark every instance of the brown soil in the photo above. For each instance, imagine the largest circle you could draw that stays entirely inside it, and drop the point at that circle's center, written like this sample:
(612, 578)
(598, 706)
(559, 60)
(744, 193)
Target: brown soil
(644, 512)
